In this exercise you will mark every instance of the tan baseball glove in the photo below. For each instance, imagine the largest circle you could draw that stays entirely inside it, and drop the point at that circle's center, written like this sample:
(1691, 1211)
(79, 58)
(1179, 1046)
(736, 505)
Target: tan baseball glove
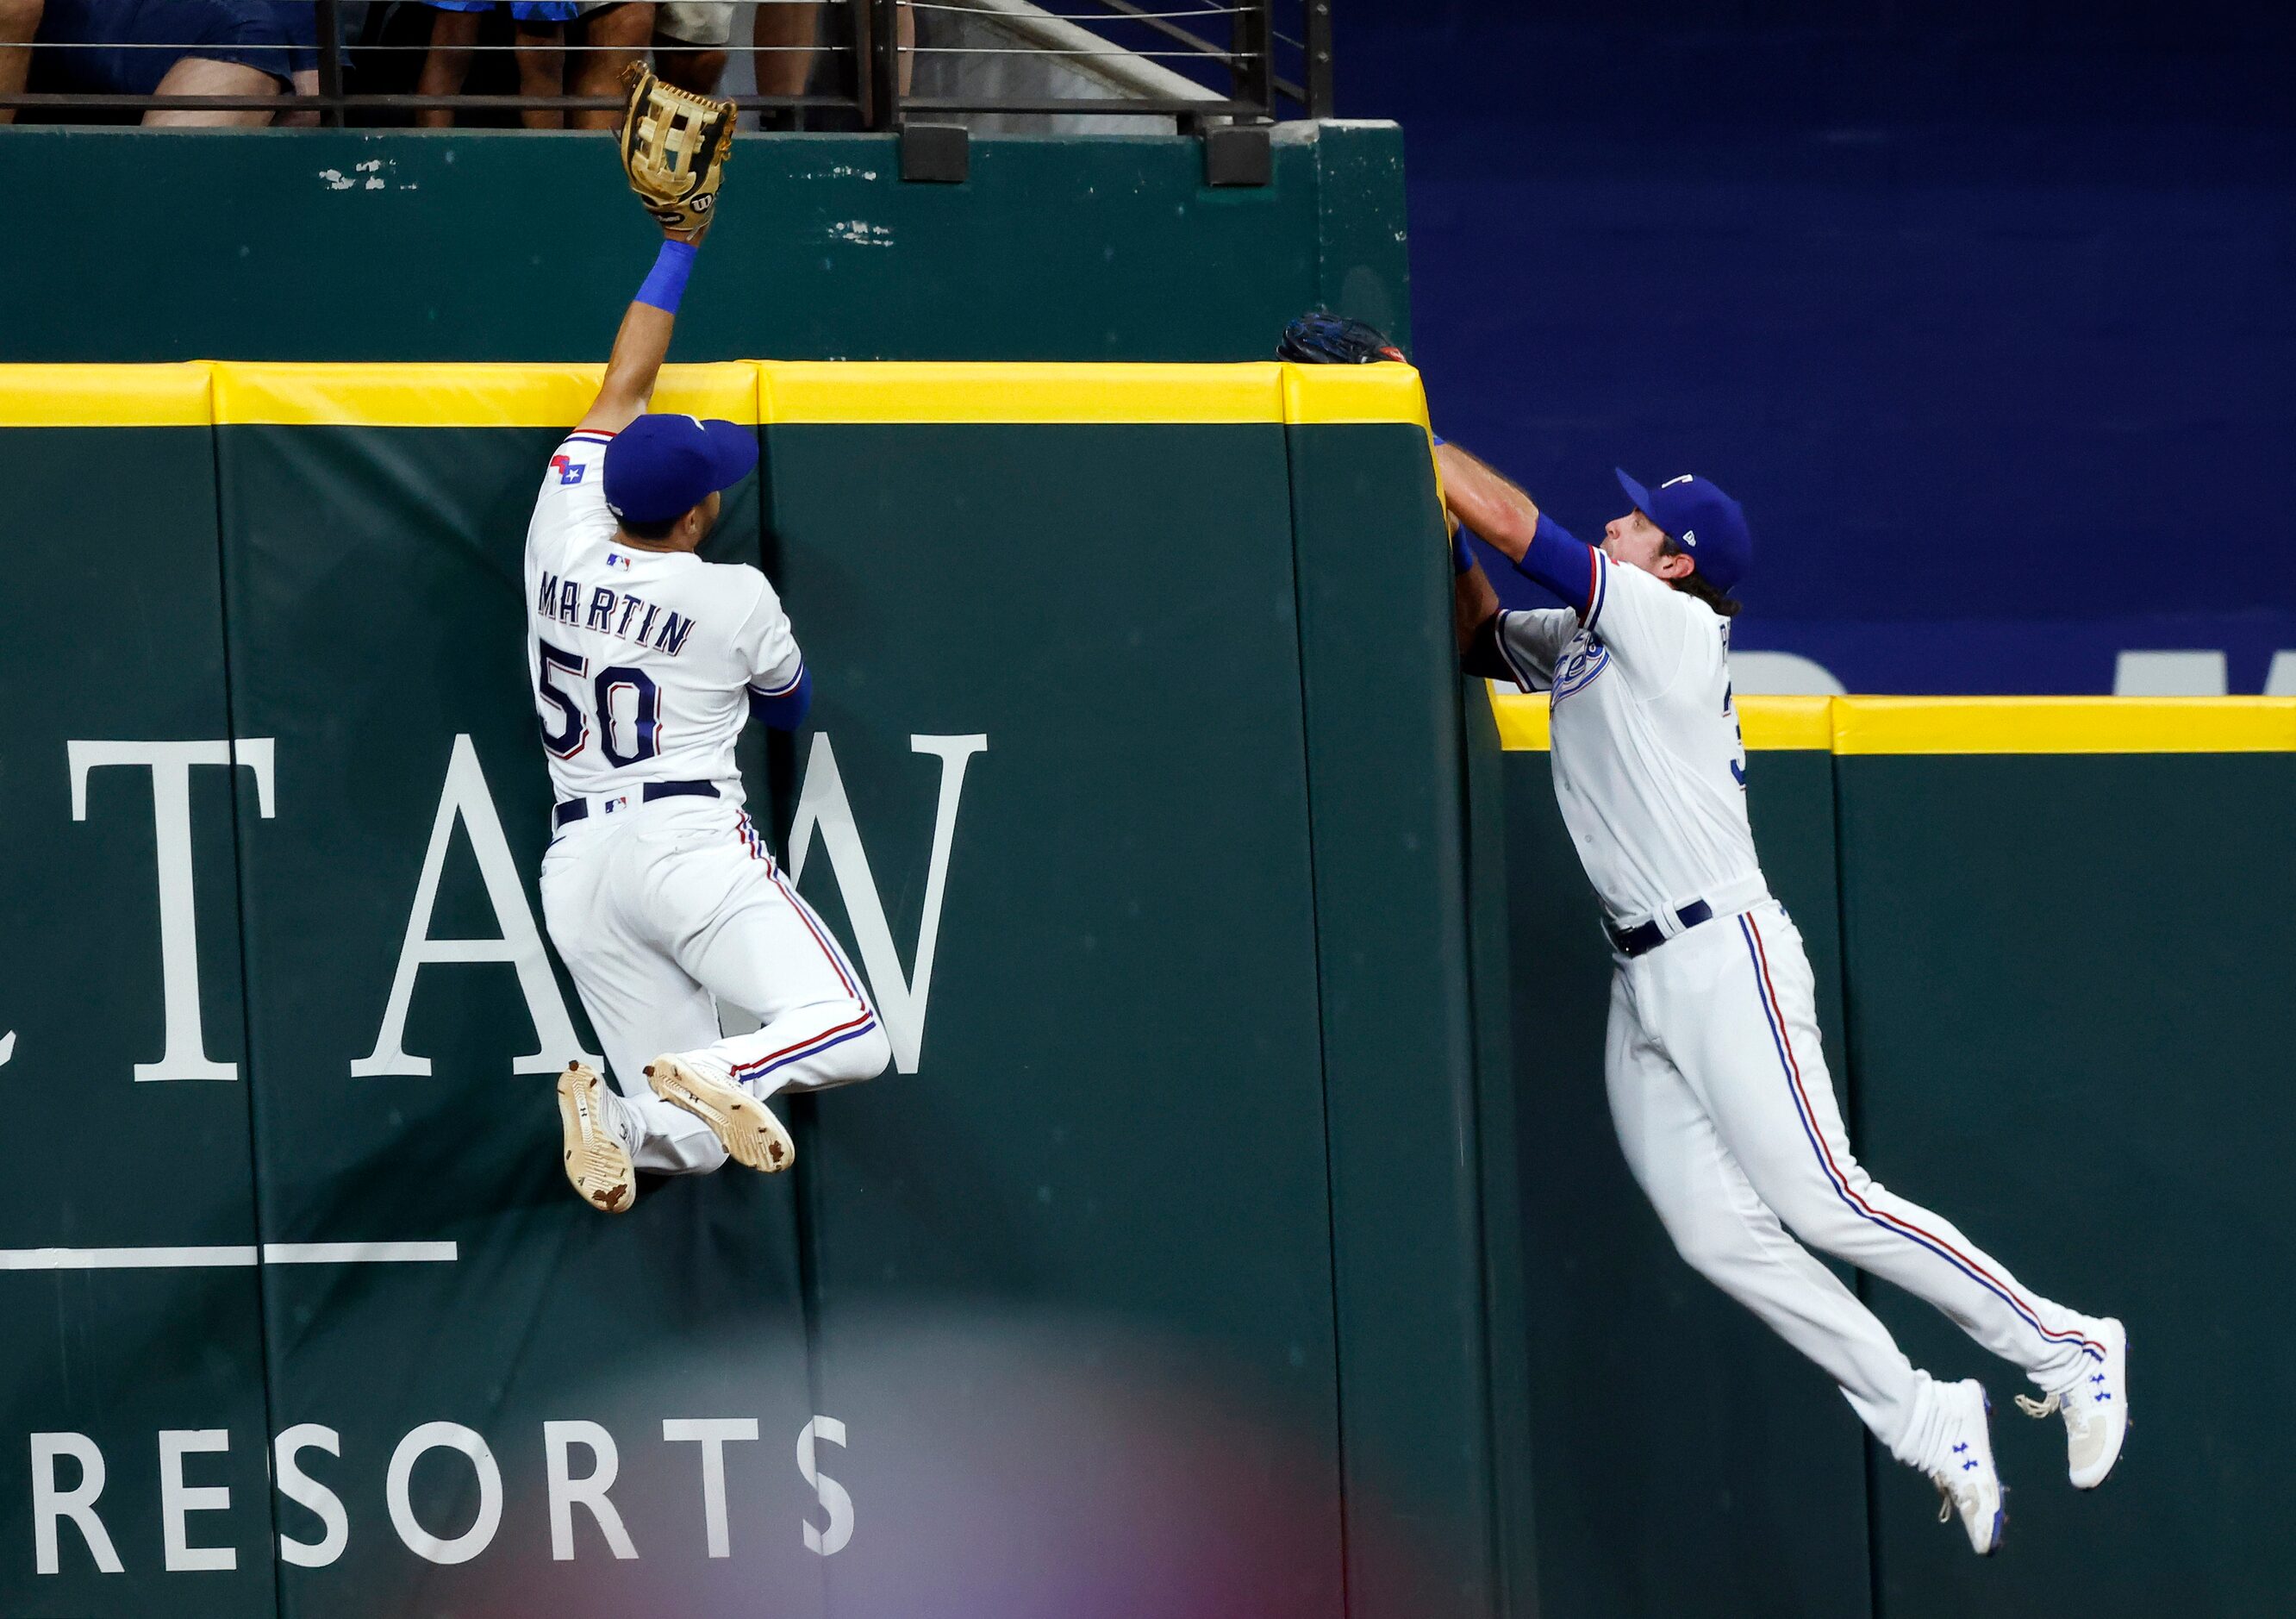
(674, 149)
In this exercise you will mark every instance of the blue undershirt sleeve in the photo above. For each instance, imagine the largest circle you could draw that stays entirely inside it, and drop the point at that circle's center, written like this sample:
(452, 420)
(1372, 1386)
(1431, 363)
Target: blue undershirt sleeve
(787, 710)
(1568, 567)
(664, 283)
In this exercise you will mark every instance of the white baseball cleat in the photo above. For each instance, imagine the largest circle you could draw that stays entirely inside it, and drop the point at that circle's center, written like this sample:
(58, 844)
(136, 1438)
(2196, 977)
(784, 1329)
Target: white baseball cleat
(596, 1161)
(2095, 1408)
(1964, 1474)
(747, 1126)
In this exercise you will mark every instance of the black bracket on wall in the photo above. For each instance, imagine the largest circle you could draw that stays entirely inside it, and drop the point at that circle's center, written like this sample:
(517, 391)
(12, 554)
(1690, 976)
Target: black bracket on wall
(1239, 154)
(940, 153)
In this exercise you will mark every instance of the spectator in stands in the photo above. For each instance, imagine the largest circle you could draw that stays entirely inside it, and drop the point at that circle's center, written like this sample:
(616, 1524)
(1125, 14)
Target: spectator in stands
(615, 33)
(174, 47)
(541, 48)
(19, 20)
(785, 33)
(787, 37)
(689, 43)
(687, 36)
(298, 20)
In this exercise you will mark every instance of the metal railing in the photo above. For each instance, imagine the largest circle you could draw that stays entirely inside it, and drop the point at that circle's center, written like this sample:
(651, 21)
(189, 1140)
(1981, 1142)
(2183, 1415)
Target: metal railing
(1169, 57)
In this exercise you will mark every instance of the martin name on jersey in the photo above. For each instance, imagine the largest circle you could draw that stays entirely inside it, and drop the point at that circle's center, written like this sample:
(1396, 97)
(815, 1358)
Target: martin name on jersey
(644, 662)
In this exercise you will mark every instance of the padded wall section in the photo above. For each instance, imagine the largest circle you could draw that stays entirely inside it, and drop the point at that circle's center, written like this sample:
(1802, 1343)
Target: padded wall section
(1045, 1321)
(1073, 1270)
(1688, 1462)
(2069, 981)
(128, 1307)
(1386, 779)
(377, 633)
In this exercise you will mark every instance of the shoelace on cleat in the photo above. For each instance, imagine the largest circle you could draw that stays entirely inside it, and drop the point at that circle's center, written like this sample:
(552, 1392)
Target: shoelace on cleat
(1948, 1499)
(2079, 1412)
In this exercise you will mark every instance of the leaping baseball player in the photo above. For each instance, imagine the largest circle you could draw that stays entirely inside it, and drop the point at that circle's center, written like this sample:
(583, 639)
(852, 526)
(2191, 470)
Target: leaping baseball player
(661, 897)
(1717, 1084)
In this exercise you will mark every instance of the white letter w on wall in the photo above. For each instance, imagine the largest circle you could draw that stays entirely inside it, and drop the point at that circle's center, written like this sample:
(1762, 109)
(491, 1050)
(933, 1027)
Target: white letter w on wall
(821, 804)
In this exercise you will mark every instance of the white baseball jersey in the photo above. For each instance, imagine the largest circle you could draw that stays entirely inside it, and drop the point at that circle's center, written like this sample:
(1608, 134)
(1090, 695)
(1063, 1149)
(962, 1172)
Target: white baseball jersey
(1649, 766)
(642, 661)
(1717, 1083)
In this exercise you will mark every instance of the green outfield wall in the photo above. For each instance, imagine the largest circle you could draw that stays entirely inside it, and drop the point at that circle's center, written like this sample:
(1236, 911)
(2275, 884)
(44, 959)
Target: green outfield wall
(1239, 1229)
(492, 245)
(2055, 941)
(1151, 1281)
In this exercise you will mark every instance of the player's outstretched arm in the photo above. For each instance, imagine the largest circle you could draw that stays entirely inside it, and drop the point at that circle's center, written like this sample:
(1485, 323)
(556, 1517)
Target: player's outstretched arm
(674, 146)
(1490, 505)
(1473, 602)
(1540, 548)
(643, 342)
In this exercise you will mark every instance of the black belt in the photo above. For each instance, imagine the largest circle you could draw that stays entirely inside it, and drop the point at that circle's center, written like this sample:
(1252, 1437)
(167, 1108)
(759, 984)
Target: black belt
(1641, 941)
(574, 809)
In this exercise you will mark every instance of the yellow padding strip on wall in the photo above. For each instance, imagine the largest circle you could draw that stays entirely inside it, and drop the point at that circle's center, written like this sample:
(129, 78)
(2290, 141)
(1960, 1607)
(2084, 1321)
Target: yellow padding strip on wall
(2064, 725)
(104, 396)
(1976, 724)
(459, 396)
(801, 392)
(795, 391)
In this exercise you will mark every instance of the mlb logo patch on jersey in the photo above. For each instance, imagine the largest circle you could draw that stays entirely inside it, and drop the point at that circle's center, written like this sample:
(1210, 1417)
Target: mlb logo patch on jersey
(615, 559)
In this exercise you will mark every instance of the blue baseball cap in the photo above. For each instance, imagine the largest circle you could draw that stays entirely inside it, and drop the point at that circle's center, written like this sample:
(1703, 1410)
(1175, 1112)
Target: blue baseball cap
(1701, 519)
(659, 468)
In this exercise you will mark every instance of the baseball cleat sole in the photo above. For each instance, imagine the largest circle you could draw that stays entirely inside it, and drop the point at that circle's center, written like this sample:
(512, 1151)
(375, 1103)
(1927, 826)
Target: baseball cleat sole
(747, 1126)
(594, 1158)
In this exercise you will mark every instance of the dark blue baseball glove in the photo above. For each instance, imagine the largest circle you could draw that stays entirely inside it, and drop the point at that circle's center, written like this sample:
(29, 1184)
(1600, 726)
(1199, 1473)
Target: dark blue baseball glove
(1321, 337)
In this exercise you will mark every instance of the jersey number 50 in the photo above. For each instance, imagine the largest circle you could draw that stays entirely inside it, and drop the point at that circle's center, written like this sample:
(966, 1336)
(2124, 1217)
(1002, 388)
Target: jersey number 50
(571, 730)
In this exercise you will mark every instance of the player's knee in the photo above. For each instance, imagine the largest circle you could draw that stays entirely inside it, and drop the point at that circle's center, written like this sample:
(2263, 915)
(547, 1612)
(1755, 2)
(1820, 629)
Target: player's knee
(862, 1057)
(1706, 1246)
(1824, 1223)
(1823, 1212)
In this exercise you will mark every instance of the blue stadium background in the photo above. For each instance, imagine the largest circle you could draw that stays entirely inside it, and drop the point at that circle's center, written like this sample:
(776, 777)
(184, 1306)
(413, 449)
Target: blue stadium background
(1987, 311)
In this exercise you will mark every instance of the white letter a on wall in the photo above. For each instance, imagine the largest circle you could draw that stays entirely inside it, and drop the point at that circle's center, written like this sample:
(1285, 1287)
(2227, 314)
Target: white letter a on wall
(466, 799)
(822, 805)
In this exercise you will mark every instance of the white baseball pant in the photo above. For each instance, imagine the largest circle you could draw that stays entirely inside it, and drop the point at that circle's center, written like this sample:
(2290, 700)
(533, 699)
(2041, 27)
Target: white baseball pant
(1728, 1120)
(661, 911)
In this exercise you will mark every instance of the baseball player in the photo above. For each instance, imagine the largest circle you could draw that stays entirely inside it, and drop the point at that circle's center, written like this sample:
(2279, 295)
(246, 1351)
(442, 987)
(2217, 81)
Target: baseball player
(1716, 1085)
(660, 895)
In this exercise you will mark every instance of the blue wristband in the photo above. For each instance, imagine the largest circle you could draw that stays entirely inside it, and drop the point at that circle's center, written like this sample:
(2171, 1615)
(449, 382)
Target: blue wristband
(1439, 440)
(664, 283)
(1463, 560)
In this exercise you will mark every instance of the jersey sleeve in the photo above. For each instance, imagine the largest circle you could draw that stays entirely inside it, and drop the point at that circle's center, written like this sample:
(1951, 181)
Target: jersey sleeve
(1530, 641)
(575, 485)
(772, 663)
(1649, 626)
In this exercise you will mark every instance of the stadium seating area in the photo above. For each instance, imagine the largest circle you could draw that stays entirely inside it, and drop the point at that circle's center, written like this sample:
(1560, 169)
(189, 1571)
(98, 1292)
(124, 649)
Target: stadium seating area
(541, 52)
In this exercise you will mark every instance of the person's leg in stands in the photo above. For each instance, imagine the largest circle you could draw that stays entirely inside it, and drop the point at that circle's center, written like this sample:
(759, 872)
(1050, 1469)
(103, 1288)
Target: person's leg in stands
(306, 83)
(689, 43)
(300, 24)
(687, 68)
(204, 75)
(782, 34)
(19, 20)
(541, 70)
(453, 34)
(616, 36)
